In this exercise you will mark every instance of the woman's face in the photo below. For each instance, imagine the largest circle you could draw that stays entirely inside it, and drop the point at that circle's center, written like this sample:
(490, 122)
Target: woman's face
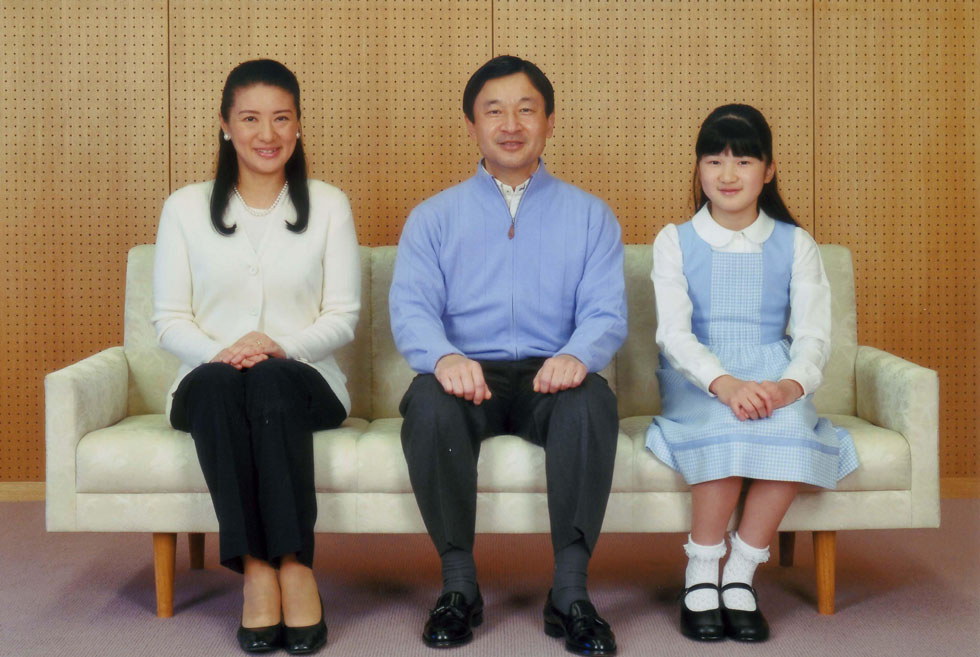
(263, 126)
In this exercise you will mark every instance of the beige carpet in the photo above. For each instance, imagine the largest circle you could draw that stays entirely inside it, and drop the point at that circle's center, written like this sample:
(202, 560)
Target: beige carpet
(914, 592)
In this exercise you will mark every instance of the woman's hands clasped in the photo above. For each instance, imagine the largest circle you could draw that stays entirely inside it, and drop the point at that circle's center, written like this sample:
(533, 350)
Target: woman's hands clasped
(248, 350)
(751, 400)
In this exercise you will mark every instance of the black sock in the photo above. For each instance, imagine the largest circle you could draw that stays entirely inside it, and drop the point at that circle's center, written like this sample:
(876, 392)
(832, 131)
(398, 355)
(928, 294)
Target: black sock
(459, 573)
(571, 571)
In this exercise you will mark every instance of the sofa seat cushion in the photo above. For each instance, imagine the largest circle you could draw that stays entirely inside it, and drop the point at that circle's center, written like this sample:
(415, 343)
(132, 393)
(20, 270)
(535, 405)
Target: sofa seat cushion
(144, 454)
(650, 475)
(508, 464)
(885, 457)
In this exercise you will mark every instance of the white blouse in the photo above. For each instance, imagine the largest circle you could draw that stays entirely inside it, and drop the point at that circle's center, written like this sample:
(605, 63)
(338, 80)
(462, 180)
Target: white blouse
(301, 289)
(809, 294)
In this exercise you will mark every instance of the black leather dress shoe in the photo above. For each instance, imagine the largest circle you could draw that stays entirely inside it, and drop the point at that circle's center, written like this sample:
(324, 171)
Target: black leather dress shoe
(450, 623)
(260, 639)
(307, 639)
(744, 625)
(701, 625)
(585, 632)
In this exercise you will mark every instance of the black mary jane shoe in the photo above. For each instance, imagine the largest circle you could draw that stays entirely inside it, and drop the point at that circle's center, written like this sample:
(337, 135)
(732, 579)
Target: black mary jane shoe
(450, 623)
(585, 631)
(260, 639)
(743, 625)
(307, 639)
(706, 625)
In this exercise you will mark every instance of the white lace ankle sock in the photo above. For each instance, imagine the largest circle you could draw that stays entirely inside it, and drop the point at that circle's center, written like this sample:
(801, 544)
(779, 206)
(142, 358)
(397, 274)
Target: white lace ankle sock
(740, 567)
(702, 567)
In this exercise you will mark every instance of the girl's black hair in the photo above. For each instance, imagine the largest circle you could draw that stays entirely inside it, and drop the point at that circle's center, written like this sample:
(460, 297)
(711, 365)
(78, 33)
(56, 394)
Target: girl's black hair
(744, 130)
(247, 74)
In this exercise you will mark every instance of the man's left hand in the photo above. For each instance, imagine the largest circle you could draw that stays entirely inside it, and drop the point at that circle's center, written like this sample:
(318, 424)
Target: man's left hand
(558, 373)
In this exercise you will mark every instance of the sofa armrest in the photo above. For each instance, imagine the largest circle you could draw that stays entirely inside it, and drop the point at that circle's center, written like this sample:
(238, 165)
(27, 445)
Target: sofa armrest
(88, 395)
(904, 397)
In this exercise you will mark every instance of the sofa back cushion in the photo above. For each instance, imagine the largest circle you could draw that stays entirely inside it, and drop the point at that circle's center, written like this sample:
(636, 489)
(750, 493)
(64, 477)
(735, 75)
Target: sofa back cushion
(392, 375)
(151, 369)
(377, 375)
(837, 394)
(637, 388)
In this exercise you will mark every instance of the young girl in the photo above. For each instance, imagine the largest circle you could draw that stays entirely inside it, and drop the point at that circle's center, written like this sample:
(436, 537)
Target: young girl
(743, 308)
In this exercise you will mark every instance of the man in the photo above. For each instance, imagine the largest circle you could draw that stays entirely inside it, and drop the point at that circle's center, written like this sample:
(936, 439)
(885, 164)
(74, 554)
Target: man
(508, 297)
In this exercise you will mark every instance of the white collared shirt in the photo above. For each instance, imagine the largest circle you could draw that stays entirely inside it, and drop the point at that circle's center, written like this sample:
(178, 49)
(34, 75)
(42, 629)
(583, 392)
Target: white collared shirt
(809, 294)
(512, 195)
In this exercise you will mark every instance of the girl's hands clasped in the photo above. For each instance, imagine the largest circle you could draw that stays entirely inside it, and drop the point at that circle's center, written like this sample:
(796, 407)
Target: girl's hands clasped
(751, 400)
(248, 350)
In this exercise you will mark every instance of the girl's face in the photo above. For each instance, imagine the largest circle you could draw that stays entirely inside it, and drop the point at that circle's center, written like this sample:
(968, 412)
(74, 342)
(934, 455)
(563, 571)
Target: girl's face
(263, 125)
(733, 185)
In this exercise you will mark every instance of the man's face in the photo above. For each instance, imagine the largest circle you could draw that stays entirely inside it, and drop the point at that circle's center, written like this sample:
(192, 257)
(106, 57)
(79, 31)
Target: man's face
(511, 127)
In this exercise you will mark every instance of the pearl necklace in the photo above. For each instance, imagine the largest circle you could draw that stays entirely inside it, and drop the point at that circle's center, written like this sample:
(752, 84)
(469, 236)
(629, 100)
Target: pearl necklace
(257, 212)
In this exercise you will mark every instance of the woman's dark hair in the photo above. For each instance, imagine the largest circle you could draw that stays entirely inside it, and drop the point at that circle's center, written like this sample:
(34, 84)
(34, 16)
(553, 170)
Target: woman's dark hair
(247, 74)
(744, 130)
(501, 67)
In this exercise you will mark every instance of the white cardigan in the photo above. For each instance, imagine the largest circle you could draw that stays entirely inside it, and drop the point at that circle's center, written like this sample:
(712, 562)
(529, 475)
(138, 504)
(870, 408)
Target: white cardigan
(302, 289)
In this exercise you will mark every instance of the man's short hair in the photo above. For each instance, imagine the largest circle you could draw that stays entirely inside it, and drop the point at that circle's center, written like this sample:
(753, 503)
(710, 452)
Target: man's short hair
(501, 67)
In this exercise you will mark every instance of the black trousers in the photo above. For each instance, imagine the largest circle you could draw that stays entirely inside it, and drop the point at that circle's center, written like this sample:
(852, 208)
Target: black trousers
(253, 430)
(578, 429)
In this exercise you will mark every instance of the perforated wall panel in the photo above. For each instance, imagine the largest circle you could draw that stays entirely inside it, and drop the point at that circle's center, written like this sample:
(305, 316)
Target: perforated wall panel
(84, 88)
(110, 106)
(634, 80)
(896, 160)
(381, 83)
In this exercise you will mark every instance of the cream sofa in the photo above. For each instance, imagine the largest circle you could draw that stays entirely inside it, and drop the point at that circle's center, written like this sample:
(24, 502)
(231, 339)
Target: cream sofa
(114, 463)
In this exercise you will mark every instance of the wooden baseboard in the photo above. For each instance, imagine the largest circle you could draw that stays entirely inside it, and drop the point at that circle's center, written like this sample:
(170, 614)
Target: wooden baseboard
(21, 491)
(959, 487)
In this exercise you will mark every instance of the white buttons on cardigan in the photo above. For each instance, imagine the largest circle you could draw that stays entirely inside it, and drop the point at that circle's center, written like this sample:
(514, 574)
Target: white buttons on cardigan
(253, 270)
(254, 312)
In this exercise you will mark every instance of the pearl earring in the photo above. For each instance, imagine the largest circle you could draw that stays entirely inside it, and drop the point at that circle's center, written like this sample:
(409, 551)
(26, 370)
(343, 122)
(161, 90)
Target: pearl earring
(297, 134)
(227, 137)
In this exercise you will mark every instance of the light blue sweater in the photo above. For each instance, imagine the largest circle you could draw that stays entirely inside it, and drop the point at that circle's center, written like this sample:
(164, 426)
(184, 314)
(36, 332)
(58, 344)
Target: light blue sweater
(461, 285)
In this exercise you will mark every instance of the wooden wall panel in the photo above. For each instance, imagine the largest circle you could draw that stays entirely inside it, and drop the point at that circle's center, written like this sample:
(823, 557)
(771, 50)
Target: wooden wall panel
(84, 88)
(382, 86)
(896, 157)
(634, 80)
(112, 105)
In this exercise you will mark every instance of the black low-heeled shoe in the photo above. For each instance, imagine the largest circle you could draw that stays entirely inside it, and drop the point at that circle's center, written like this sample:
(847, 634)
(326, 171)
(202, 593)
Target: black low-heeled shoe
(742, 625)
(307, 639)
(585, 631)
(260, 639)
(706, 625)
(452, 620)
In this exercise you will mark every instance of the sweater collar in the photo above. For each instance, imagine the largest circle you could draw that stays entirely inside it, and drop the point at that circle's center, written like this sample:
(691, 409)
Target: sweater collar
(718, 236)
(540, 174)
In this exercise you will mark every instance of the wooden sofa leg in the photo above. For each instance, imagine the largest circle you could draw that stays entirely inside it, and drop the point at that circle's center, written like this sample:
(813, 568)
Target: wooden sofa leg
(824, 557)
(195, 544)
(164, 556)
(787, 543)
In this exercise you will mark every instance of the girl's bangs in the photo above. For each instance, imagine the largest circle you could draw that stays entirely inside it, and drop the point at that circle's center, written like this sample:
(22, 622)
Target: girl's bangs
(730, 133)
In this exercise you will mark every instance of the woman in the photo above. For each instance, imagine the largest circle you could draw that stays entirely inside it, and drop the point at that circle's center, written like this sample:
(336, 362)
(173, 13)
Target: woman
(256, 283)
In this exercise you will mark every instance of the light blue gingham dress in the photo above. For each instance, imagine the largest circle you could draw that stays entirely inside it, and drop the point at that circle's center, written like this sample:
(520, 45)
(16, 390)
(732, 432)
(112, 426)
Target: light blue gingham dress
(740, 311)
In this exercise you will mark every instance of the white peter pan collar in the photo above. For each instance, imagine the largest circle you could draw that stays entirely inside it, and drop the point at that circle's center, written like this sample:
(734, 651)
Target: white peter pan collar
(719, 237)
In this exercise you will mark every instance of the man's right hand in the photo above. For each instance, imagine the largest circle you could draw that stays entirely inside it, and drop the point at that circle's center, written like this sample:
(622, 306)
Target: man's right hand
(462, 377)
